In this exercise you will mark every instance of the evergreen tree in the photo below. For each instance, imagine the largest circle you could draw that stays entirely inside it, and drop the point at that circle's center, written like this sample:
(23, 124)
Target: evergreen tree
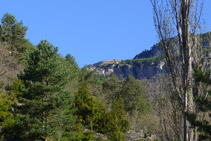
(45, 109)
(7, 101)
(70, 59)
(114, 123)
(102, 123)
(135, 96)
(6, 117)
(86, 105)
(74, 75)
(118, 121)
(6, 29)
(13, 32)
(119, 114)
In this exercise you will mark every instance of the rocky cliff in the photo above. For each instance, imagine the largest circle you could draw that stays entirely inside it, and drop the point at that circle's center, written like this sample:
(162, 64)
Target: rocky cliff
(144, 65)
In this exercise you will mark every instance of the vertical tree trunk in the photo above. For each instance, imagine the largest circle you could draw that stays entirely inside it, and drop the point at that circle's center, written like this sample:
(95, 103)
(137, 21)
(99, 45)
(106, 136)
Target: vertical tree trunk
(187, 69)
(180, 13)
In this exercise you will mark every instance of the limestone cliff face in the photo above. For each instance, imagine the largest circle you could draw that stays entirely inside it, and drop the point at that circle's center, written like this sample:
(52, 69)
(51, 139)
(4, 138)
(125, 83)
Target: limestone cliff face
(122, 71)
(140, 68)
(146, 64)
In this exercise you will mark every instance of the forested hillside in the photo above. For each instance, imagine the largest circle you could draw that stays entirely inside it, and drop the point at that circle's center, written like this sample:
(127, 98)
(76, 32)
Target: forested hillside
(46, 96)
(147, 64)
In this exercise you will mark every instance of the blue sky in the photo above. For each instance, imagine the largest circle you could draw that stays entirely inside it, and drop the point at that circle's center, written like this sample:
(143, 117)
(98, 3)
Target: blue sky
(91, 30)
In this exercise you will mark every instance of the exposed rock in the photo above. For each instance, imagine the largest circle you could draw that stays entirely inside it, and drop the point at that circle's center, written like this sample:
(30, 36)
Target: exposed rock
(122, 71)
(146, 64)
(104, 63)
(132, 135)
(99, 136)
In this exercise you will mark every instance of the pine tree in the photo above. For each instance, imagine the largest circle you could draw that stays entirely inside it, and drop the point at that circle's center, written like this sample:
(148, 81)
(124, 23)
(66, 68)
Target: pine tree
(13, 33)
(8, 22)
(45, 109)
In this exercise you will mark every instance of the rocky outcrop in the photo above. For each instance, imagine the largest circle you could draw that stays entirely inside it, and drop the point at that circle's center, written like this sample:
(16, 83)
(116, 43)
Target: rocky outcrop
(146, 64)
(138, 67)
(132, 135)
(122, 71)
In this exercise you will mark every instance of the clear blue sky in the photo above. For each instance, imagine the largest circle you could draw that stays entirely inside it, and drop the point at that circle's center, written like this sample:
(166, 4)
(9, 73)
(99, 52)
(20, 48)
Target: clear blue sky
(90, 30)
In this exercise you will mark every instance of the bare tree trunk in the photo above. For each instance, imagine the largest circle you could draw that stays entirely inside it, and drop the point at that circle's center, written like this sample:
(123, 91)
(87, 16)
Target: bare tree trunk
(187, 68)
(179, 12)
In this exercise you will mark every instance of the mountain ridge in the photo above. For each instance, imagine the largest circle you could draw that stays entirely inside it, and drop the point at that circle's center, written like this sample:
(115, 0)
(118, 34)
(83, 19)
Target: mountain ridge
(144, 65)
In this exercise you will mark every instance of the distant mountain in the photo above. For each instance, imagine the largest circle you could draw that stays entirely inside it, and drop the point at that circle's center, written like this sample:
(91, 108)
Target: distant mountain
(144, 65)
(153, 52)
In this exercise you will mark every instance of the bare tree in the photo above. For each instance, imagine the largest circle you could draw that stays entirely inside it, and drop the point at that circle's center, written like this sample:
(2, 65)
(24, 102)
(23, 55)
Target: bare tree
(180, 18)
(9, 65)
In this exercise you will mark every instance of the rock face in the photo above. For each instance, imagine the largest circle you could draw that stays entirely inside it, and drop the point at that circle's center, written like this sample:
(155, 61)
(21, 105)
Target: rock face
(122, 71)
(144, 65)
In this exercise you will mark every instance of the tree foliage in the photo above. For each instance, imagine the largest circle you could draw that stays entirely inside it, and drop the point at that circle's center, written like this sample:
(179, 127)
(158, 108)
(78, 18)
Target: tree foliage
(13, 33)
(114, 123)
(86, 105)
(6, 117)
(39, 104)
(46, 108)
(7, 101)
(134, 94)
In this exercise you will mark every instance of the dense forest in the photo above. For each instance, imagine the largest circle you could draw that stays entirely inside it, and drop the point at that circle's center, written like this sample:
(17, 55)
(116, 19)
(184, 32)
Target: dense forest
(46, 96)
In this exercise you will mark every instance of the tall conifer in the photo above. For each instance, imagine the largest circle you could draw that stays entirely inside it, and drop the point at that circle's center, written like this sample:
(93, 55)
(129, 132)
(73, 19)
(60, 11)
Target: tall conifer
(45, 109)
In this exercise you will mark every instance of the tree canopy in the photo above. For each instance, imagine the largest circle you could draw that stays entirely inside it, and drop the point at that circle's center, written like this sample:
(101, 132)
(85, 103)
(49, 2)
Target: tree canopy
(46, 106)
